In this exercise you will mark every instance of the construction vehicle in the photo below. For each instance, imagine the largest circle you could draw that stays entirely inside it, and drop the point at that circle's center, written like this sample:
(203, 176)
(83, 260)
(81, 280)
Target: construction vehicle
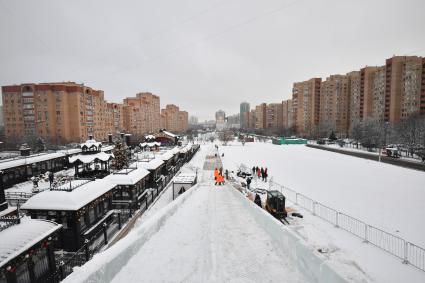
(275, 205)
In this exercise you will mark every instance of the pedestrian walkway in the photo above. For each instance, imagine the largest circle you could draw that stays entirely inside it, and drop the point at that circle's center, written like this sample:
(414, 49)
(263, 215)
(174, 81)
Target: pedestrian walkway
(212, 162)
(227, 245)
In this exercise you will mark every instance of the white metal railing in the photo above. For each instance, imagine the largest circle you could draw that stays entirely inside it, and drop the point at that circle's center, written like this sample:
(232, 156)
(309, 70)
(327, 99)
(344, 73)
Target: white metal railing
(408, 252)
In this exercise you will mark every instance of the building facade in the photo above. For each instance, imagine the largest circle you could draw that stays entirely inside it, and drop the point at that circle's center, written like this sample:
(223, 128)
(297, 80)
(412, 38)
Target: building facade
(58, 112)
(306, 101)
(244, 115)
(274, 116)
(261, 116)
(69, 112)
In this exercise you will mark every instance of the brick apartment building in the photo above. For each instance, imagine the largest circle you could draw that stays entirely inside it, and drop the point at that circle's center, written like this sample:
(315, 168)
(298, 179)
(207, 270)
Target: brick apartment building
(173, 119)
(387, 93)
(59, 112)
(261, 116)
(70, 112)
(306, 105)
(274, 116)
(142, 114)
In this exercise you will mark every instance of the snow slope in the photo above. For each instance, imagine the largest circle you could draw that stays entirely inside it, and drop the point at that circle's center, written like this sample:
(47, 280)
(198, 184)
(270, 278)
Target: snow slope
(209, 246)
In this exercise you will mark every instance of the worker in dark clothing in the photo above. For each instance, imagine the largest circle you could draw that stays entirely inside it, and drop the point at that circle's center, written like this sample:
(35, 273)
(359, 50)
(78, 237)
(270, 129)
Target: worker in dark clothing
(226, 173)
(51, 178)
(248, 182)
(253, 170)
(257, 200)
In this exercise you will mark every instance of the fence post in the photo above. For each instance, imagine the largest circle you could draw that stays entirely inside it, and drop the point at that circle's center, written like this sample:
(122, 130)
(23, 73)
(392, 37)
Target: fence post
(62, 270)
(314, 208)
(105, 234)
(119, 219)
(336, 219)
(405, 260)
(86, 242)
(365, 234)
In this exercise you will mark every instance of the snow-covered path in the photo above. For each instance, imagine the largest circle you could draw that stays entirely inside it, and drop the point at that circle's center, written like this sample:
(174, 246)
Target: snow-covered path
(212, 238)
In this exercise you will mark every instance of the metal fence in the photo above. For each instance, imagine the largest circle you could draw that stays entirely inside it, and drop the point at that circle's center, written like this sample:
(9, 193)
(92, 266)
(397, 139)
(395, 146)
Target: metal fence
(408, 252)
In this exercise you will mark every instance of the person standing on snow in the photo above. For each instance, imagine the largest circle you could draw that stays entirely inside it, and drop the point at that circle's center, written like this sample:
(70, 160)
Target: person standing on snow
(265, 174)
(262, 173)
(216, 173)
(253, 170)
(248, 182)
(258, 173)
(257, 200)
(220, 180)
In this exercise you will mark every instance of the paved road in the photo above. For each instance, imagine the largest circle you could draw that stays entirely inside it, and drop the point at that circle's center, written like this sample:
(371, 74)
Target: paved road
(385, 159)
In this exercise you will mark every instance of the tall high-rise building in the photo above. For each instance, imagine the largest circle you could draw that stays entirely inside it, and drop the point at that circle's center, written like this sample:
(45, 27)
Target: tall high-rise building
(142, 114)
(174, 119)
(261, 116)
(193, 120)
(274, 116)
(356, 101)
(306, 101)
(244, 114)
(252, 119)
(403, 89)
(220, 120)
(334, 104)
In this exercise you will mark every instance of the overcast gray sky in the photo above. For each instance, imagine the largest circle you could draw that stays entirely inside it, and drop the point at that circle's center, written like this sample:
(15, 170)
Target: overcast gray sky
(202, 55)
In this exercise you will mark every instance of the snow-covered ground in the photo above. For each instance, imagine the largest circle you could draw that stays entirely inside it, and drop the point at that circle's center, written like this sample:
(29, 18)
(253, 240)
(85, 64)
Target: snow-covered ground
(209, 235)
(353, 185)
(202, 242)
(383, 195)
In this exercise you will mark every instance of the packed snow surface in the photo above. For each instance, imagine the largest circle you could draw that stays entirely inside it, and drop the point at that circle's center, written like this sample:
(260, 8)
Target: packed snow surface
(218, 243)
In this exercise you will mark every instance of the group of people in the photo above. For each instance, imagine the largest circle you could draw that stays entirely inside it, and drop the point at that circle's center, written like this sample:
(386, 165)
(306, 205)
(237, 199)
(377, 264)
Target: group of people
(218, 176)
(260, 172)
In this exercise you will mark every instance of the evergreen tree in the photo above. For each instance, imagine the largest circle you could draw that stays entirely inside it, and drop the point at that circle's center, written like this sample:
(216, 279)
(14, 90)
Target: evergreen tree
(121, 157)
(332, 136)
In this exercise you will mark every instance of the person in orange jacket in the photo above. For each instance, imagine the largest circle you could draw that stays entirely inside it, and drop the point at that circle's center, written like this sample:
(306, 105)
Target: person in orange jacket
(220, 180)
(216, 173)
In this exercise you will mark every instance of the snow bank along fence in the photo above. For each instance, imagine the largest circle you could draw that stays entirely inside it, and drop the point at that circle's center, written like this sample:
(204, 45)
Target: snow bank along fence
(408, 252)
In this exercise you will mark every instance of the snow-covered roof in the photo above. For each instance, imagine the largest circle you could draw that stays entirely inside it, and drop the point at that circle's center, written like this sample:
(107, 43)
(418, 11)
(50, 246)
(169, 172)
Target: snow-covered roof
(107, 148)
(20, 237)
(152, 164)
(89, 158)
(150, 144)
(65, 200)
(150, 137)
(170, 134)
(29, 160)
(185, 178)
(167, 155)
(91, 143)
(128, 176)
(71, 151)
(186, 148)
(175, 150)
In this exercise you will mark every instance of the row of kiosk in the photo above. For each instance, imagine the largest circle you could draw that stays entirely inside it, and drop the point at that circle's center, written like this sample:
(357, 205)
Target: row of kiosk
(68, 216)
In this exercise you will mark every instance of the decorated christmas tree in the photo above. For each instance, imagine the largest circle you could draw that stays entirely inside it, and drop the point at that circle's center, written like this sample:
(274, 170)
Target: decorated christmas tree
(121, 157)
